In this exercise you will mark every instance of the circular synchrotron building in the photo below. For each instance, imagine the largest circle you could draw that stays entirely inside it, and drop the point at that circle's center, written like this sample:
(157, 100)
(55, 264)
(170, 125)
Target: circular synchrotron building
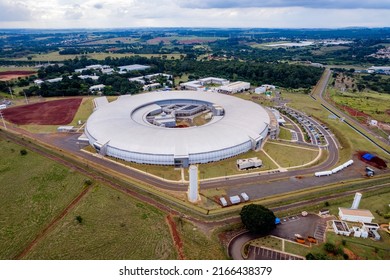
(143, 128)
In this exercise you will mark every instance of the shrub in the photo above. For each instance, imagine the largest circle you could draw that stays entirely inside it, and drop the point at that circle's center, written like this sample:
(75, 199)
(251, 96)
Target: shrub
(79, 219)
(23, 152)
(88, 182)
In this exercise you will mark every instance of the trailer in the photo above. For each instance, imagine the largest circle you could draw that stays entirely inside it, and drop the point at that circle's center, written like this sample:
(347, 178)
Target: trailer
(223, 201)
(245, 196)
(235, 199)
(348, 163)
(323, 173)
(337, 169)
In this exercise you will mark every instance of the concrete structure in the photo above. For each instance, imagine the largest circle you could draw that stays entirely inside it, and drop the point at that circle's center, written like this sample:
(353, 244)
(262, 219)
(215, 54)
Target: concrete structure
(340, 227)
(249, 163)
(355, 215)
(234, 87)
(99, 102)
(358, 232)
(193, 188)
(356, 201)
(122, 126)
(165, 120)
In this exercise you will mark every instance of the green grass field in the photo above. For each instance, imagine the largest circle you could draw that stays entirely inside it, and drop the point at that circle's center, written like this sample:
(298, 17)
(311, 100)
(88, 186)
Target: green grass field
(33, 191)
(285, 134)
(197, 245)
(289, 156)
(114, 226)
(229, 166)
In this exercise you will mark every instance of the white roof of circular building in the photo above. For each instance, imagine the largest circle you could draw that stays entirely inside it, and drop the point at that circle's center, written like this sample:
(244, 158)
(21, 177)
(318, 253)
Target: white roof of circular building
(123, 127)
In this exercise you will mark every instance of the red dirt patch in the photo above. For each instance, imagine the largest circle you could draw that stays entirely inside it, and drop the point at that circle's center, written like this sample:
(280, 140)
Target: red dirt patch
(377, 162)
(176, 237)
(9, 75)
(57, 112)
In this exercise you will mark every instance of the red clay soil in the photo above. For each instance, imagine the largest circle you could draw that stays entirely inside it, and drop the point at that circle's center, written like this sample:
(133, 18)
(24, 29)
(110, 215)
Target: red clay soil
(9, 75)
(377, 162)
(57, 112)
(176, 237)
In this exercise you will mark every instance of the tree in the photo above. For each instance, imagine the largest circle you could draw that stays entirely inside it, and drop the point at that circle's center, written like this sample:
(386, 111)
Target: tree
(257, 218)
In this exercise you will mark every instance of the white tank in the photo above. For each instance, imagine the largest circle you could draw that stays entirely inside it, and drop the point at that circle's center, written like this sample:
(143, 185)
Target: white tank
(356, 201)
(193, 188)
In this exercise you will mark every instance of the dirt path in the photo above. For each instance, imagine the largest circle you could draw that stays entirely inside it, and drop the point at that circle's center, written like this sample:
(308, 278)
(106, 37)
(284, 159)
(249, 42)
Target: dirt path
(52, 224)
(175, 236)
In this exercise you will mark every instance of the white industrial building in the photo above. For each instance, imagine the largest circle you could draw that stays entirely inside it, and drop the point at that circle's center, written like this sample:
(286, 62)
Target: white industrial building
(132, 67)
(355, 215)
(379, 69)
(264, 88)
(249, 163)
(234, 87)
(201, 84)
(84, 77)
(99, 87)
(120, 129)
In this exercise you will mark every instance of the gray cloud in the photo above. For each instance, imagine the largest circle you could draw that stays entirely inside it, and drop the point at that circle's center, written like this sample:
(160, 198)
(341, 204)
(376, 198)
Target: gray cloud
(74, 13)
(315, 4)
(98, 6)
(14, 12)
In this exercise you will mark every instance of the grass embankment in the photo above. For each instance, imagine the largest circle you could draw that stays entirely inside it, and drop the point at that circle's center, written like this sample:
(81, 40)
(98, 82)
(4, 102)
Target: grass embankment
(33, 191)
(113, 226)
(285, 134)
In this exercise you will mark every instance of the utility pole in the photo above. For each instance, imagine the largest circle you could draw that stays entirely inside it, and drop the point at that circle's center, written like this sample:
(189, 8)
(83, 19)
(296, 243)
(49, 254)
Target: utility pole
(10, 92)
(25, 97)
(1, 115)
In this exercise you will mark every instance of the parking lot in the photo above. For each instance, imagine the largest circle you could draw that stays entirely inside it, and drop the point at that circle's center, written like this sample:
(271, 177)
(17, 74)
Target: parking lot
(311, 225)
(258, 253)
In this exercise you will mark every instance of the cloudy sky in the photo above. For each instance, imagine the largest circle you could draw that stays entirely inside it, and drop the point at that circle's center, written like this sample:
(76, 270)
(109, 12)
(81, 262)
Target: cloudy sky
(193, 13)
